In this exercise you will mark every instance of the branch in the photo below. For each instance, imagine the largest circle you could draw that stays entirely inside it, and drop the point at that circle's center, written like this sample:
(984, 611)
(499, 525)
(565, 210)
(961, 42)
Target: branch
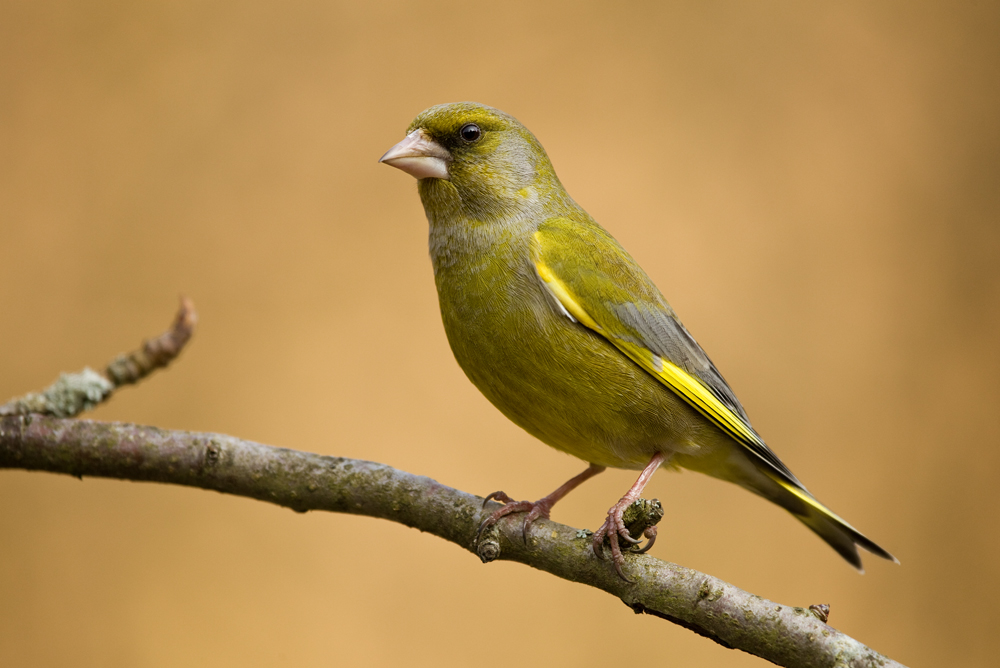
(35, 435)
(305, 481)
(74, 393)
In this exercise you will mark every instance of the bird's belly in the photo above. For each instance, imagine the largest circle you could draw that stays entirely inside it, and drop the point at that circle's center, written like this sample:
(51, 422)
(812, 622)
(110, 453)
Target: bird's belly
(565, 384)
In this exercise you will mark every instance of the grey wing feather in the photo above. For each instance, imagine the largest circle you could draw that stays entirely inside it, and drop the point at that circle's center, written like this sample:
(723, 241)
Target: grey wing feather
(664, 335)
(659, 330)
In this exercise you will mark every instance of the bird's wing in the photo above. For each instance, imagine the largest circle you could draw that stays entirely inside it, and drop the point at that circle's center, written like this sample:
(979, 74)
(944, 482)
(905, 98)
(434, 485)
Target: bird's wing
(600, 286)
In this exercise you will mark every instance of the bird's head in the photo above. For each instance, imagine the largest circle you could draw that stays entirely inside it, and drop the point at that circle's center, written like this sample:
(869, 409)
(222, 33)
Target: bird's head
(484, 156)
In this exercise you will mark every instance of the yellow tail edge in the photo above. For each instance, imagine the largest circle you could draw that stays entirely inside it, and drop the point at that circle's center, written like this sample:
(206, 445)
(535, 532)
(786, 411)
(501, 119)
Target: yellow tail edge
(837, 533)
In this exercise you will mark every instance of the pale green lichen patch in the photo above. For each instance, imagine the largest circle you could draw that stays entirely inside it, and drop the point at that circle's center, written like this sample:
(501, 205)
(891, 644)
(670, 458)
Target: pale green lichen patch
(71, 394)
(706, 592)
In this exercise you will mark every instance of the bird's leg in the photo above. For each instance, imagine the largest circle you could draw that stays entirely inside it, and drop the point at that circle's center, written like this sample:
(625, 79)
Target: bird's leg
(614, 526)
(536, 509)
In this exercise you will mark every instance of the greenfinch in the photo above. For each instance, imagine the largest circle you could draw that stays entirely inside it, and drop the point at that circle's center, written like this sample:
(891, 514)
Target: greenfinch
(566, 335)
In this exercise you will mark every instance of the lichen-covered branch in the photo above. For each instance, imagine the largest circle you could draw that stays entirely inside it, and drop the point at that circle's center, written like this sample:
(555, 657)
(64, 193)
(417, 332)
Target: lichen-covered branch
(303, 481)
(74, 393)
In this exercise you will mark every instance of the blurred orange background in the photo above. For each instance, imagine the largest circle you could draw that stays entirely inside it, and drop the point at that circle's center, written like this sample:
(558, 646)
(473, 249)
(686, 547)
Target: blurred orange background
(815, 188)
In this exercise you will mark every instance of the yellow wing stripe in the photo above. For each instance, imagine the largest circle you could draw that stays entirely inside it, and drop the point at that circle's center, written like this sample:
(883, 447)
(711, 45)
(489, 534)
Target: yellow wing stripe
(680, 381)
(702, 398)
(562, 294)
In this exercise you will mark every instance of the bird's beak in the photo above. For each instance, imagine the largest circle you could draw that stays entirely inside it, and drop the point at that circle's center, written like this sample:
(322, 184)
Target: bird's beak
(419, 156)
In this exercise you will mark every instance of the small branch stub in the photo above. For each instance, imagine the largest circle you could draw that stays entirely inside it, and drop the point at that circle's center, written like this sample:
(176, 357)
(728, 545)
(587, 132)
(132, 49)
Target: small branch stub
(488, 547)
(641, 519)
(821, 610)
(155, 353)
(74, 393)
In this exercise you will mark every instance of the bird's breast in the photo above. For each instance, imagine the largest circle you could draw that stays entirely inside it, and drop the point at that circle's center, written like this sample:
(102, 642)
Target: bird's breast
(552, 376)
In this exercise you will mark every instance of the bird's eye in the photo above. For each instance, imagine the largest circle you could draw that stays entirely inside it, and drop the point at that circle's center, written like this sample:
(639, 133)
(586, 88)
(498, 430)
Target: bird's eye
(470, 132)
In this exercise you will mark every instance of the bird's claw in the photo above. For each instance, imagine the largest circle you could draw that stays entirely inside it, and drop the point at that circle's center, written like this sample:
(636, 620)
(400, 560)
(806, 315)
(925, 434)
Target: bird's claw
(614, 530)
(650, 535)
(499, 495)
(534, 510)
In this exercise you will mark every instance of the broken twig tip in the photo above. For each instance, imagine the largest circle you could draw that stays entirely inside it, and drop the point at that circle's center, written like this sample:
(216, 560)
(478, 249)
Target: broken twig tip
(155, 353)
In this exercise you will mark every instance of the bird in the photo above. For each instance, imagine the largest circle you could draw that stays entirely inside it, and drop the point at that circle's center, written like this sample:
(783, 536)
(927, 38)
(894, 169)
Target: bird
(563, 332)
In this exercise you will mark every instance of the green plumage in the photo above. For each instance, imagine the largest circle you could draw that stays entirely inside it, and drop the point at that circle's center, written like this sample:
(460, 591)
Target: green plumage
(574, 357)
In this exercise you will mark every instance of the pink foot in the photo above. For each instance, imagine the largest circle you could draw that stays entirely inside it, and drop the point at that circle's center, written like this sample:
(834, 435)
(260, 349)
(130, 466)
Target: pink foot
(534, 510)
(614, 528)
(540, 508)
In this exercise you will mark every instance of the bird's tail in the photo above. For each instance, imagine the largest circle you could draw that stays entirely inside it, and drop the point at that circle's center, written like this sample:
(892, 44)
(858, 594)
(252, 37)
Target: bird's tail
(840, 535)
(753, 474)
